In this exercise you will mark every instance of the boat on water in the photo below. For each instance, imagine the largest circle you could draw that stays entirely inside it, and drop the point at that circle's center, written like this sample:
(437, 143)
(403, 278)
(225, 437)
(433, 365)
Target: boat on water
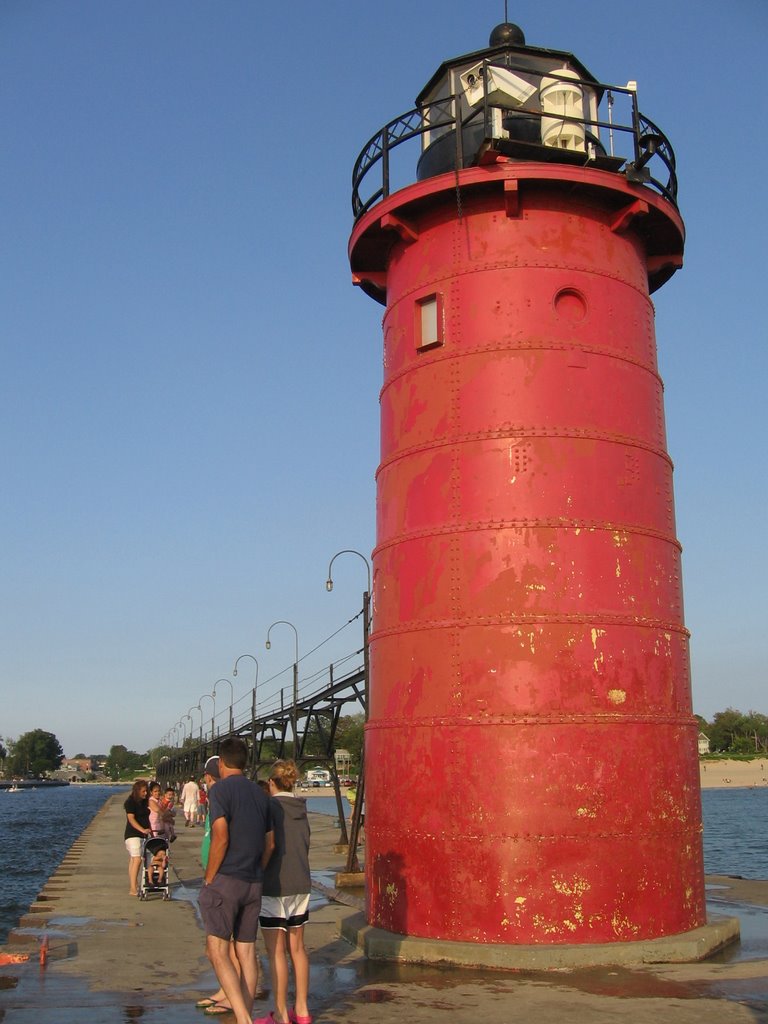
(19, 785)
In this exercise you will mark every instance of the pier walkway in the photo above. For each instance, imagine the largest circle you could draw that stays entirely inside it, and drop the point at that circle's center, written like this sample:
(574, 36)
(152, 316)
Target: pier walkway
(114, 959)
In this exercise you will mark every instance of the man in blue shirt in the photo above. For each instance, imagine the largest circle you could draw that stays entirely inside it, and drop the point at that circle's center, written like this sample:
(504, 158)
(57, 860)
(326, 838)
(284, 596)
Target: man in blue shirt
(242, 842)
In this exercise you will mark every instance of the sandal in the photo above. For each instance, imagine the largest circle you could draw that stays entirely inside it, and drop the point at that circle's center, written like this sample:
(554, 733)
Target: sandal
(216, 1009)
(270, 1019)
(296, 1018)
(201, 1004)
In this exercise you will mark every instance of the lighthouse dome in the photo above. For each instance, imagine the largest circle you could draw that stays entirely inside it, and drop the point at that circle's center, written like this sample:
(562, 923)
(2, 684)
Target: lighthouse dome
(507, 34)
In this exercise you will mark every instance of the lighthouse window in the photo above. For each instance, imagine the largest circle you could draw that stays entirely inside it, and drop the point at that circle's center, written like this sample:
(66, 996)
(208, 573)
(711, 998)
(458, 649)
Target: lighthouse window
(428, 321)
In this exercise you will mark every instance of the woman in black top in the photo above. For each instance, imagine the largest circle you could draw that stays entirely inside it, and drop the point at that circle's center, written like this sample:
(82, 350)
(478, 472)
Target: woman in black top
(136, 830)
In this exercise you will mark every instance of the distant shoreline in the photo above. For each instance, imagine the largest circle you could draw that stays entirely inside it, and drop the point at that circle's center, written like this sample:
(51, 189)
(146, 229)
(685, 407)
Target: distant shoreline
(728, 774)
(720, 774)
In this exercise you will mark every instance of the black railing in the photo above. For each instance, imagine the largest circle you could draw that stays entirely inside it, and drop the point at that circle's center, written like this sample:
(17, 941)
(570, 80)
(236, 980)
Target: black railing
(270, 733)
(652, 163)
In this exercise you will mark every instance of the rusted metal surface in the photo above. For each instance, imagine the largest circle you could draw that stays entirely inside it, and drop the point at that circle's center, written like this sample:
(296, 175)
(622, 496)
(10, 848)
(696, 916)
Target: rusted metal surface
(532, 774)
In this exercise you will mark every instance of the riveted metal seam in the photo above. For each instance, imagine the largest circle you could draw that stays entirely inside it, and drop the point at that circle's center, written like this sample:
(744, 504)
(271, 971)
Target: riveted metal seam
(480, 525)
(439, 356)
(641, 834)
(522, 720)
(523, 265)
(513, 431)
(513, 619)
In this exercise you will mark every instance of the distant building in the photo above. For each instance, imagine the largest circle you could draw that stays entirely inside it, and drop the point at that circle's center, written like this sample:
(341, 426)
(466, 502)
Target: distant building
(73, 769)
(703, 743)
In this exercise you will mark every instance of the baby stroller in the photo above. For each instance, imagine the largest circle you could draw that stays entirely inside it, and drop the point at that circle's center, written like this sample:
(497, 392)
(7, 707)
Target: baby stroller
(155, 867)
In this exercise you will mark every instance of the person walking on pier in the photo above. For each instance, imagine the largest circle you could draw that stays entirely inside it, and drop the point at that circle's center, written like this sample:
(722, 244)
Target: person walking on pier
(242, 841)
(189, 802)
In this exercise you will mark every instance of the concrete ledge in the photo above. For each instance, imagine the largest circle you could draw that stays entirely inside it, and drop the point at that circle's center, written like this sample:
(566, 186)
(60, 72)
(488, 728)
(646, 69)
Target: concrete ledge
(350, 879)
(688, 947)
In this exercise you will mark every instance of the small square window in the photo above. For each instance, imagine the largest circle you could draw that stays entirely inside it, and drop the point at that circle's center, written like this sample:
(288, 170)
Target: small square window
(429, 321)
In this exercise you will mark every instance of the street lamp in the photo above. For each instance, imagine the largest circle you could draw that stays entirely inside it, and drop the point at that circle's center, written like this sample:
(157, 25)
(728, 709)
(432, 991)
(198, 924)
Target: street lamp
(255, 684)
(366, 618)
(231, 696)
(295, 715)
(352, 860)
(191, 726)
(210, 696)
(195, 707)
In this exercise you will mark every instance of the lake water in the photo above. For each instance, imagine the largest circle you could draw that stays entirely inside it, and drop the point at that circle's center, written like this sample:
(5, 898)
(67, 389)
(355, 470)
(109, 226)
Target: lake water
(37, 827)
(736, 832)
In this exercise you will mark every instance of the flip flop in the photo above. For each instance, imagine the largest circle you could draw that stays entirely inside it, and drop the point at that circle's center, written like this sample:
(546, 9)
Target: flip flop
(217, 1009)
(202, 1003)
(296, 1018)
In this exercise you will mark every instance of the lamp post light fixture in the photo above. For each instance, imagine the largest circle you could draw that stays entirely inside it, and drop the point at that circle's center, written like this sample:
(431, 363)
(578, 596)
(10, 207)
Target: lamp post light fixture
(210, 696)
(255, 684)
(295, 712)
(231, 696)
(191, 726)
(195, 707)
(366, 618)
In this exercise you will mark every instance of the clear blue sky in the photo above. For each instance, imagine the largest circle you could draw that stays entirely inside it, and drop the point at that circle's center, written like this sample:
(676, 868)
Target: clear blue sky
(190, 382)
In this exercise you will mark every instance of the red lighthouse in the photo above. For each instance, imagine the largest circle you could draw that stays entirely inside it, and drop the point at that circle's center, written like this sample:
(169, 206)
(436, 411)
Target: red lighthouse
(532, 771)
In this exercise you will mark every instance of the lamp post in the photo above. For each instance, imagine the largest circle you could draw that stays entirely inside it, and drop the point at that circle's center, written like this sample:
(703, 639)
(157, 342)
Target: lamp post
(253, 699)
(210, 696)
(295, 713)
(191, 727)
(231, 696)
(353, 863)
(366, 617)
(195, 707)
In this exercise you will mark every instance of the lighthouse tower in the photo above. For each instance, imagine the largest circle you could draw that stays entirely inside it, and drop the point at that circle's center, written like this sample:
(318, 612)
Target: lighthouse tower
(531, 753)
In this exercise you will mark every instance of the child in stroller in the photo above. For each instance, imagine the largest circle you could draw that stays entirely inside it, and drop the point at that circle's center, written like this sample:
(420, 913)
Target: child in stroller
(155, 867)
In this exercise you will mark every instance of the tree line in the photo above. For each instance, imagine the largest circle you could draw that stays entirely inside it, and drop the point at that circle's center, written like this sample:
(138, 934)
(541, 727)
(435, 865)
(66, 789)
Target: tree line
(38, 753)
(34, 754)
(732, 732)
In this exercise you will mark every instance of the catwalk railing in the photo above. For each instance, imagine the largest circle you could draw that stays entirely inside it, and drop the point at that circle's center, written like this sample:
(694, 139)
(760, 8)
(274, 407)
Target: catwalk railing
(305, 730)
(466, 134)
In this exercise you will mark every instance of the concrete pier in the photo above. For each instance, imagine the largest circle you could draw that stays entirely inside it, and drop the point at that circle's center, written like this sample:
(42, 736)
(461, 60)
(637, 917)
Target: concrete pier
(114, 959)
